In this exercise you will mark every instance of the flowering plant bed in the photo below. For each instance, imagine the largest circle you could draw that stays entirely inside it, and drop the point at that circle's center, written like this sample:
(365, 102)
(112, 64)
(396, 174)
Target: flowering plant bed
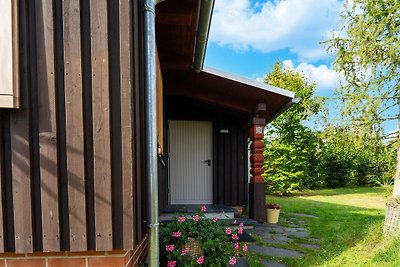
(197, 241)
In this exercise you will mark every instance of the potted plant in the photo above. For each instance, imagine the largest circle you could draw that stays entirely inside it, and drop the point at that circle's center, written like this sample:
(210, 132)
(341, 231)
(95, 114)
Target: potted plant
(194, 240)
(272, 210)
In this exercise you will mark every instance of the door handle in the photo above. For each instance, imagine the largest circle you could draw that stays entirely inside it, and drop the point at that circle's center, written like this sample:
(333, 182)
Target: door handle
(208, 162)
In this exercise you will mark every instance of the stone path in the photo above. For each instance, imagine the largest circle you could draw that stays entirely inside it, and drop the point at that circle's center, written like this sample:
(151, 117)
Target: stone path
(273, 235)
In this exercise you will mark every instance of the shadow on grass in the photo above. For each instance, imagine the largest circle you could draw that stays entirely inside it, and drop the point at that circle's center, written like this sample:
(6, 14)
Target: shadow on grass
(340, 227)
(338, 191)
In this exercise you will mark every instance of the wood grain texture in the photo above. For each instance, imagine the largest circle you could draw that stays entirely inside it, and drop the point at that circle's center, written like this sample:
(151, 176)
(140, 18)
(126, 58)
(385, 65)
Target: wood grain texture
(47, 125)
(126, 83)
(20, 153)
(101, 125)
(71, 162)
(74, 125)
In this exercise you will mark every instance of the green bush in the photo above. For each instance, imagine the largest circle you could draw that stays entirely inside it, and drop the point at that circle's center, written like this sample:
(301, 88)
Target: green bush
(335, 168)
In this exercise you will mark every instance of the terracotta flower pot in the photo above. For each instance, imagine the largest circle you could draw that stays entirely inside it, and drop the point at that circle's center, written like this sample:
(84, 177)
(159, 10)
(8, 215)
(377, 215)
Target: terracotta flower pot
(272, 215)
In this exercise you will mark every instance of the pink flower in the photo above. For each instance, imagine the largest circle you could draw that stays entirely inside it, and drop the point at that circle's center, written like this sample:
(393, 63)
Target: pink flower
(236, 246)
(245, 248)
(181, 219)
(215, 219)
(241, 225)
(177, 234)
(235, 237)
(196, 218)
(228, 230)
(169, 248)
(200, 260)
(185, 251)
(232, 260)
(171, 263)
(203, 208)
(240, 230)
(235, 222)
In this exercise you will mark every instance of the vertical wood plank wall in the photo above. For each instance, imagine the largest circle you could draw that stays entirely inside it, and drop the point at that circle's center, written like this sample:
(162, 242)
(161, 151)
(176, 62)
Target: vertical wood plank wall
(71, 157)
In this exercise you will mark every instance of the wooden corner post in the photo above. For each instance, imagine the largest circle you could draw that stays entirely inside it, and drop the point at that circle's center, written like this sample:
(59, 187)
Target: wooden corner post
(257, 184)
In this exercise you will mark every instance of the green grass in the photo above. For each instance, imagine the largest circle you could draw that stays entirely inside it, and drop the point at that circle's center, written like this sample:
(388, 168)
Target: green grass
(349, 228)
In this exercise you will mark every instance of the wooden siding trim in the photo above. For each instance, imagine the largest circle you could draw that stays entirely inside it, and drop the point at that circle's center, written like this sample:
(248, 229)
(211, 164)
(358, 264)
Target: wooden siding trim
(74, 125)
(20, 152)
(52, 160)
(126, 83)
(13, 100)
(47, 125)
(101, 125)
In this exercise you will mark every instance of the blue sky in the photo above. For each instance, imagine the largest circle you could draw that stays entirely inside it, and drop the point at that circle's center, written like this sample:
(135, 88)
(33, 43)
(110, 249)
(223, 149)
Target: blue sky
(247, 37)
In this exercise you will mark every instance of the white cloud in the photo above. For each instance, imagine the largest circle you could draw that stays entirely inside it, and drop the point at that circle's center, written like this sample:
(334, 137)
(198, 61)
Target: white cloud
(325, 77)
(266, 26)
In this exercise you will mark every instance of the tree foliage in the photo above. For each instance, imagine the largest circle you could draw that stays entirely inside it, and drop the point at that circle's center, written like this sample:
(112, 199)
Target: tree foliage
(368, 58)
(291, 148)
(347, 157)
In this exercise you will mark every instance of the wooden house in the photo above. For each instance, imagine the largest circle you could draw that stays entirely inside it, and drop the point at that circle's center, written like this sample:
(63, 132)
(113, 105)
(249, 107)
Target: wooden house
(98, 132)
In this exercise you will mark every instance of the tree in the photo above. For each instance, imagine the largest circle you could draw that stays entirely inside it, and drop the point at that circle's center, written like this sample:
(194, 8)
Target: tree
(291, 147)
(368, 58)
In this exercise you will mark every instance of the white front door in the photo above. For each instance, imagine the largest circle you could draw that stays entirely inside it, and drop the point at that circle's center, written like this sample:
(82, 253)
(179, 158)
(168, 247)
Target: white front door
(190, 151)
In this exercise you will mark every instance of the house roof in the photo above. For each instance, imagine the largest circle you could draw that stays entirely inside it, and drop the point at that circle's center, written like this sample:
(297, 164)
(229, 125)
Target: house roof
(226, 90)
(176, 25)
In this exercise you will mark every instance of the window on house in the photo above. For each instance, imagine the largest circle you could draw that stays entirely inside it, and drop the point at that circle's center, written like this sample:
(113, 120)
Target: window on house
(9, 88)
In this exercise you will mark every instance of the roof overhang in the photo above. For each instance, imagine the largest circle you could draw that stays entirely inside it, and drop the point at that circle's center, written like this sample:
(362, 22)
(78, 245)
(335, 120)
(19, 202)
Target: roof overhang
(182, 27)
(227, 91)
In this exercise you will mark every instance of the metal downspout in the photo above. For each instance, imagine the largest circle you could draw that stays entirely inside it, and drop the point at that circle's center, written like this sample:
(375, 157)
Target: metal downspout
(150, 76)
(203, 30)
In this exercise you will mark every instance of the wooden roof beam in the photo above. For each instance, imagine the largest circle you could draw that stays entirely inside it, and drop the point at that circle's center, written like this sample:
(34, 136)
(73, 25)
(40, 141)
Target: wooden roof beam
(174, 19)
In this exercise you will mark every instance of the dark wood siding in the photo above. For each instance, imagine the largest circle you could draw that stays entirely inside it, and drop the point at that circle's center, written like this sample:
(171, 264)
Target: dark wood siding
(71, 157)
(230, 185)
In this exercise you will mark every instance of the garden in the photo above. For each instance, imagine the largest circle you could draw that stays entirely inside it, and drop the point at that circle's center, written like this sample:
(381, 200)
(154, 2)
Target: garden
(345, 224)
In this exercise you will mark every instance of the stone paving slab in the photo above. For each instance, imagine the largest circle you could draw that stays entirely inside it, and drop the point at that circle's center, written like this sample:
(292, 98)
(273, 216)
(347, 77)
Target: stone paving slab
(242, 262)
(275, 252)
(294, 229)
(300, 234)
(277, 239)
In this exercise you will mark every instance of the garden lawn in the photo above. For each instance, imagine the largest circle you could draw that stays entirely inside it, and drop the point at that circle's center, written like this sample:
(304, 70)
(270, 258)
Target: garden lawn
(349, 227)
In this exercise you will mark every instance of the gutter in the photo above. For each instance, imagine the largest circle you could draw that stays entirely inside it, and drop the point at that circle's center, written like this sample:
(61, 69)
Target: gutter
(282, 109)
(150, 76)
(203, 30)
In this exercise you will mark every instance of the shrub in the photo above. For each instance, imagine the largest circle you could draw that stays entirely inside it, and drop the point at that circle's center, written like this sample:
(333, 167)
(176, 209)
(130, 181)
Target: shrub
(210, 235)
(335, 168)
